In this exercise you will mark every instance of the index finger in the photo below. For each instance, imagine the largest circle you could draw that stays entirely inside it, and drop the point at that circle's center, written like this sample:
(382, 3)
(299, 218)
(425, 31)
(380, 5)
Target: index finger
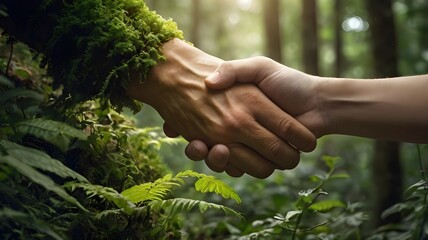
(285, 126)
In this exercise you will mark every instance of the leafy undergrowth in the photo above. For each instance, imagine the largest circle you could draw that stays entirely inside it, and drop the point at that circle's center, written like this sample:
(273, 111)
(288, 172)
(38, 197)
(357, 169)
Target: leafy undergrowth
(86, 172)
(83, 172)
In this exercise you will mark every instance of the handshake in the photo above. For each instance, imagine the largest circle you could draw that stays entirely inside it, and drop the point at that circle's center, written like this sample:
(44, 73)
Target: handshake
(255, 115)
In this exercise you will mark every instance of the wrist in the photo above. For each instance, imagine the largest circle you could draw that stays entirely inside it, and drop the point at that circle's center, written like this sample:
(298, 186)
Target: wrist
(340, 103)
(181, 74)
(319, 119)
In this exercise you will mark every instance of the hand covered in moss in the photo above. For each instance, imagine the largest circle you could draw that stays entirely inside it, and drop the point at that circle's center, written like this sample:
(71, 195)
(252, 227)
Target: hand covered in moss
(260, 137)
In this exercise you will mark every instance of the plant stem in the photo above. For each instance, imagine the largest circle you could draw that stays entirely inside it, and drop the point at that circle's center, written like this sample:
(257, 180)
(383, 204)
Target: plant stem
(421, 165)
(425, 209)
(9, 60)
(332, 219)
(299, 218)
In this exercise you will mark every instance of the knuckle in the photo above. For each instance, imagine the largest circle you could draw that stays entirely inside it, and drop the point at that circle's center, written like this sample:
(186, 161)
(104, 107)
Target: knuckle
(284, 126)
(262, 60)
(274, 148)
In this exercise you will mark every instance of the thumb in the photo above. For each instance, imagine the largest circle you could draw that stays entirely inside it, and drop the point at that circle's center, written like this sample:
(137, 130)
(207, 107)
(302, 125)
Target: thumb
(250, 70)
(222, 77)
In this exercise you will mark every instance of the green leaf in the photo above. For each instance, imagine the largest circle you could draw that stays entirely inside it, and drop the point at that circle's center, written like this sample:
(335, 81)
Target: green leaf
(29, 221)
(398, 208)
(39, 160)
(291, 214)
(303, 201)
(54, 132)
(317, 178)
(190, 173)
(151, 191)
(14, 93)
(212, 184)
(340, 176)
(306, 192)
(22, 73)
(39, 178)
(421, 185)
(177, 204)
(326, 205)
(158, 189)
(4, 80)
(103, 192)
(330, 162)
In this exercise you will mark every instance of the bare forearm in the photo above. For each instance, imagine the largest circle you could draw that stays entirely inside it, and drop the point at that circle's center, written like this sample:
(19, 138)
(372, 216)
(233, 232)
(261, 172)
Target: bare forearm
(392, 109)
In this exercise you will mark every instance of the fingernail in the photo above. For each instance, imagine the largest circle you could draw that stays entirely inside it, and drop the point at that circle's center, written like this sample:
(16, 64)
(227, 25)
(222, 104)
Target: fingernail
(213, 77)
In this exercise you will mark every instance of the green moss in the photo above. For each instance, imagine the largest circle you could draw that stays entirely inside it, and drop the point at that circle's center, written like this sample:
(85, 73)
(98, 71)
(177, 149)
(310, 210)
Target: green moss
(96, 43)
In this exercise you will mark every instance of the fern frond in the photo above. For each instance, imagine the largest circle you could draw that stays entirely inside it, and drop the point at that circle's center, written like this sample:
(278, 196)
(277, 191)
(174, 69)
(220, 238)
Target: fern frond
(39, 160)
(103, 192)
(212, 184)
(108, 212)
(161, 187)
(54, 132)
(207, 183)
(179, 204)
(39, 178)
(153, 190)
(190, 173)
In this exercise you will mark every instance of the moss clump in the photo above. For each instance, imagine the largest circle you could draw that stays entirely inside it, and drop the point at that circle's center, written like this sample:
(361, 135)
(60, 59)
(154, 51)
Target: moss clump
(92, 45)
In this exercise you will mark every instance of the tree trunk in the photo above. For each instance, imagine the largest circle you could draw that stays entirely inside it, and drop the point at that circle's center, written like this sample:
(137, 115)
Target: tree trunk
(310, 37)
(387, 172)
(338, 41)
(273, 46)
(196, 18)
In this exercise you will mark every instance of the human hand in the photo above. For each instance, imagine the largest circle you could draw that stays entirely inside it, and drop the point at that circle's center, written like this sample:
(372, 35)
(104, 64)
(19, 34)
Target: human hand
(293, 91)
(235, 117)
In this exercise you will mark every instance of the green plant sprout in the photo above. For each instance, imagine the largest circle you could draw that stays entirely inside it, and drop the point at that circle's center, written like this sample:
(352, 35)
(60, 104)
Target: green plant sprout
(324, 215)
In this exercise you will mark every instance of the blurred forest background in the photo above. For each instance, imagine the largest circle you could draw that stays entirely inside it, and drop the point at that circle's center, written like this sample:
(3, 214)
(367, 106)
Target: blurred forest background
(341, 38)
(348, 188)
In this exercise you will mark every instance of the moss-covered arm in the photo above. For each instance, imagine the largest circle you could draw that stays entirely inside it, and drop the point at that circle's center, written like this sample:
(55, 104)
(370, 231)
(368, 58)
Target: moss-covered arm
(91, 46)
(108, 48)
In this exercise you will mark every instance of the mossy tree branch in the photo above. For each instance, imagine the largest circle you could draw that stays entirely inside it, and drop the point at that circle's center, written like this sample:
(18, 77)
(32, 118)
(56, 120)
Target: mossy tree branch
(91, 46)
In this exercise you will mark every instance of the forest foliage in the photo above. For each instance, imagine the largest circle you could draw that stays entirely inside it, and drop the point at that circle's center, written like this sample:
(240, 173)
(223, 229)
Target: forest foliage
(87, 171)
(71, 174)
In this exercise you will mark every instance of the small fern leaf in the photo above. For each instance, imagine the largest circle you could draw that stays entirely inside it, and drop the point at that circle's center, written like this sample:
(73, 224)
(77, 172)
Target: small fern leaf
(178, 204)
(39, 160)
(105, 193)
(109, 212)
(190, 173)
(39, 178)
(152, 191)
(212, 184)
(54, 132)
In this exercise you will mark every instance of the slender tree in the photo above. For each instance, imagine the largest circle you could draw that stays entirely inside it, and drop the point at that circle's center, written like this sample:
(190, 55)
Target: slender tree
(387, 172)
(310, 37)
(338, 41)
(196, 19)
(273, 46)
